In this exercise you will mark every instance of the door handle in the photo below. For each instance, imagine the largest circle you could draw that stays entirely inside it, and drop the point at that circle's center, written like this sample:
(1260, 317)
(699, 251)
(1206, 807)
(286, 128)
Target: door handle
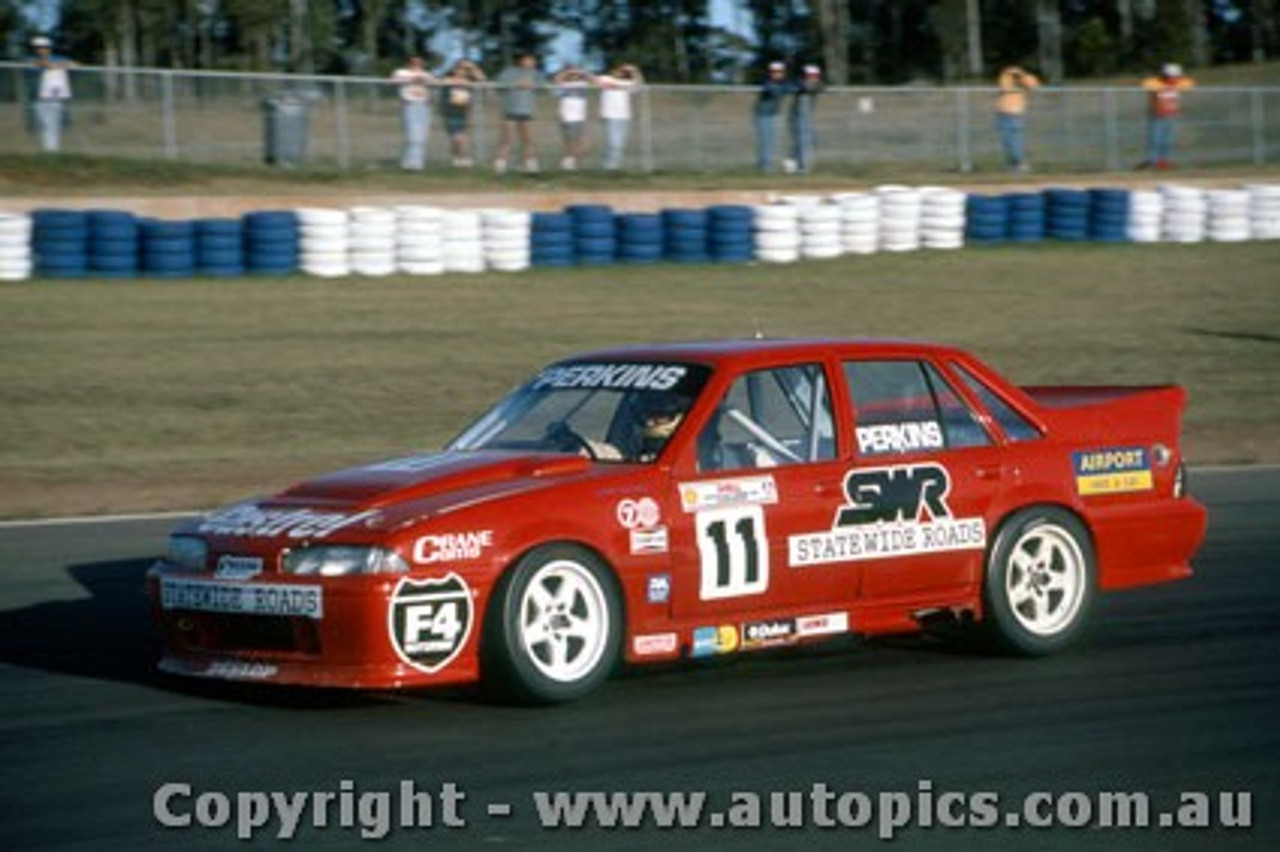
(987, 471)
(827, 489)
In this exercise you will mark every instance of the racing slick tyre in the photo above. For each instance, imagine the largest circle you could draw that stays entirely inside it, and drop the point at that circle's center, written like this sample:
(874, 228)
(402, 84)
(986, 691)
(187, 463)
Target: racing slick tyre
(554, 628)
(1040, 582)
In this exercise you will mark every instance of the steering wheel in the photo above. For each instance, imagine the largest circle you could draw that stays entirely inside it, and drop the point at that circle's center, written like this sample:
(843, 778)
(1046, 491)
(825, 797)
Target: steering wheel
(564, 438)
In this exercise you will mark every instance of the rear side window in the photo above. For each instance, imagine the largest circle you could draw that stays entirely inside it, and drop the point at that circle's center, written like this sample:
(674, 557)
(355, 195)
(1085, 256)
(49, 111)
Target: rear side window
(1017, 427)
(908, 407)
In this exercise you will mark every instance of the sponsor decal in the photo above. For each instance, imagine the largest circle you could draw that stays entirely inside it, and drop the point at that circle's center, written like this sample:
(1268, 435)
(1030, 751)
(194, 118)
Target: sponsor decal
(639, 514)
(657, 644)
(1116, 470)
(411, 464)
(658, 377)
(430, 621)
(890, 512)
(238, 567)
(827, 624)
(733, 551)
(451, 547)
(711, 641)
(724, 493)
(248, 599)
(659, 589)
(250, 521)
(241, 670)
(900, 437)
(764, 634)
(649, 542)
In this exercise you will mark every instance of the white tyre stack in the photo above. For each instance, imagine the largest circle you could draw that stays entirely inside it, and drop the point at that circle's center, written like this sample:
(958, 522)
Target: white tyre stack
(506, 235)
(1146, 212)
(1228, 215)
(463, 241)
(859, 222)
(821, 227)
(373, 241)
(15, 247)
(420, 240)
(942, 218)
(324, 242)
(899, 218)
(1185, 216)
(1264, 211)
(777, 232)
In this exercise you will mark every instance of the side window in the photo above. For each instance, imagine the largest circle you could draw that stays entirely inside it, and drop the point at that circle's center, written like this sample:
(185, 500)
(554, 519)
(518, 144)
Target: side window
(1017, 427)
(907, 407)
(770, 418)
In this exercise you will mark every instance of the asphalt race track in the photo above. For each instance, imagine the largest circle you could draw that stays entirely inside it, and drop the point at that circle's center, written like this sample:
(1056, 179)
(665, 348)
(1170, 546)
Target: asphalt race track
(1177, 689)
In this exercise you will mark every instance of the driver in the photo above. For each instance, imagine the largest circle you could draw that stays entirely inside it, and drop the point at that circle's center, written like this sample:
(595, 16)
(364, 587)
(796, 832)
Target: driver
(659, 415)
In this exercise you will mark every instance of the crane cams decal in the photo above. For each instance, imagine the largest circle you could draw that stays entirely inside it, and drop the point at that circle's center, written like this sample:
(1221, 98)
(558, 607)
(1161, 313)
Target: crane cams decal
(430, 621)
(889, 512)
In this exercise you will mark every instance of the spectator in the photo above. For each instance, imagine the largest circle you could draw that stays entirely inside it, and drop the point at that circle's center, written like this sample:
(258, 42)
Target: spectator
(415, 111)
(1011, 114)
(456, 97)
(519, 84)
(616, 89)
(800, 120)
(49, 92)
(773, 91)
(1163, 108)
(572, 85)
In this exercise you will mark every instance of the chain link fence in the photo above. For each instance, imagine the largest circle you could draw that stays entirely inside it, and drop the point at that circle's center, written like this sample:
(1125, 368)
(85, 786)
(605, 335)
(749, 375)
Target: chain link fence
(353, 123)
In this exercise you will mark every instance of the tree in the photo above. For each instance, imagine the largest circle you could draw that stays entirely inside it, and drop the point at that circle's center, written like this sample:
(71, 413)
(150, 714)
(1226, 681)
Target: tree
(833, 23)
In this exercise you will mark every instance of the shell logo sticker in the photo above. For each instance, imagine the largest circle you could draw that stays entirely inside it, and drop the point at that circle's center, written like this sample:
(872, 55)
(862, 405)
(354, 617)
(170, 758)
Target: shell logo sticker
(430, 621)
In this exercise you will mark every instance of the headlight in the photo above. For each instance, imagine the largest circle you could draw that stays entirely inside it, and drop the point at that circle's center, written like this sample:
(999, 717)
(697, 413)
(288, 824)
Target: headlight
(187, 553)
(338, 560)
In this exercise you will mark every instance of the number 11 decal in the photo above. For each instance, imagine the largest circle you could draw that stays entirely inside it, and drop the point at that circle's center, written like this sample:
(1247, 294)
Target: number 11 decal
(734, 551)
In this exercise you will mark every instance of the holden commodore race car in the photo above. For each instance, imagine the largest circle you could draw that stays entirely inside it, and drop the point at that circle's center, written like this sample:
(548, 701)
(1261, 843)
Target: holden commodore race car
(672, 501)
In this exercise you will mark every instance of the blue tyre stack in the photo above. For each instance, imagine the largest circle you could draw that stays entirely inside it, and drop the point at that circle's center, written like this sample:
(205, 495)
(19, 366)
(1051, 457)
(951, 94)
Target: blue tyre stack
(219, 247)
(551, 240)
(986, 218)
(271, 242)
(595, 236)
(685, 235)
(1027, 218)
(639, 238)
(60, 243)
(1109, 215)
(168, 248)
(729, 233)
(1067, 214)
(113, 244)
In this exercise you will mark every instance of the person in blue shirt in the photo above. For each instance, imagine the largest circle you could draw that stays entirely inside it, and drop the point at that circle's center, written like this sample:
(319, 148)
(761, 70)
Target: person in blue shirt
(800, 120)
(773, 91)
(49, 93)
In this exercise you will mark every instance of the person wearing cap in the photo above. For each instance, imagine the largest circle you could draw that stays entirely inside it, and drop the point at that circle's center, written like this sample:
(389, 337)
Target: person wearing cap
(1164, 105)
(616, 88)
(773, 91)
(414, 81)
(800, 119)
(1011, 113)
(49, 93)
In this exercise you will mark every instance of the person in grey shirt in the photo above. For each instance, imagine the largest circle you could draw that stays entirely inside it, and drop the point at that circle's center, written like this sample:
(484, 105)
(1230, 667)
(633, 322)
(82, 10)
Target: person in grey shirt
(519, 84)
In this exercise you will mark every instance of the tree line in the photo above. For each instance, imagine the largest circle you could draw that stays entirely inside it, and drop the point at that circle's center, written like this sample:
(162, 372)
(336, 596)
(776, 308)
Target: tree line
(674, 41)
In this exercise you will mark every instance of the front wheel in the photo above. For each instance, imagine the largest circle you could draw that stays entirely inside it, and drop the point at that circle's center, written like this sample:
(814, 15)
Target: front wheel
(1039, 584)
(554, 627)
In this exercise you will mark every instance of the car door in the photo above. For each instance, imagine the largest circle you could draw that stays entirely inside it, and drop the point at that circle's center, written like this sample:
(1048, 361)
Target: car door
(764, 458)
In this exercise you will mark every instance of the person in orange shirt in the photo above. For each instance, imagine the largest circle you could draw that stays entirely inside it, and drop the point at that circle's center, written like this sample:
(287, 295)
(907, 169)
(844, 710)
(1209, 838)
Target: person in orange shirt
(1011, 113)
(1164, 105)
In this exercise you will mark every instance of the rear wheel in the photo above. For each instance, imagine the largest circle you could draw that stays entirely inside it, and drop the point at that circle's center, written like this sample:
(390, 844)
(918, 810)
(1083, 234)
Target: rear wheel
(554, 627)
(1039, 585)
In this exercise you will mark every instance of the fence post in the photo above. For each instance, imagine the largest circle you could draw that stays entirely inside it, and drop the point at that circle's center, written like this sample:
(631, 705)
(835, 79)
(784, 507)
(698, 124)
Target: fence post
(344, 135)
(964, 149)
(646, 129)
(169, 117)
(1258, 117)
(1111, 130)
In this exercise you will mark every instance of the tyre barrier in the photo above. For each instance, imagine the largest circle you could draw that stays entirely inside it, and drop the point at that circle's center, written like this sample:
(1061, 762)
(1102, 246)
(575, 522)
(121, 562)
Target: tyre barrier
(425, 240)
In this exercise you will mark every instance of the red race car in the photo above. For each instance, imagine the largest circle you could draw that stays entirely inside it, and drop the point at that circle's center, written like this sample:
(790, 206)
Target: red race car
(669, 501)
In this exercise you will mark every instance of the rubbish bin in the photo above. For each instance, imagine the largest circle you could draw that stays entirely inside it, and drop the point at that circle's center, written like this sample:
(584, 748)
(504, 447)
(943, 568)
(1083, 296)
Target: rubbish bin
(286, 126)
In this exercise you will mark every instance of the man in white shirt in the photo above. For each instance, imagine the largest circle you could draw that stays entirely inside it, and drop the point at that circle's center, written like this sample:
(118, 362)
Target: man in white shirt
(50, 92)
(616, 89)
(415, 111)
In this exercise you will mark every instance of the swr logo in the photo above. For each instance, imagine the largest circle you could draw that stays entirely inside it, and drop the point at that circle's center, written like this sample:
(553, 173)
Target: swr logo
(889, 494)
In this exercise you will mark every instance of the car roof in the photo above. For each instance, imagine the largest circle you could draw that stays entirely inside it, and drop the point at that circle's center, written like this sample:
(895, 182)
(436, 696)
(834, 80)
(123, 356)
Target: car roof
(719, 353)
